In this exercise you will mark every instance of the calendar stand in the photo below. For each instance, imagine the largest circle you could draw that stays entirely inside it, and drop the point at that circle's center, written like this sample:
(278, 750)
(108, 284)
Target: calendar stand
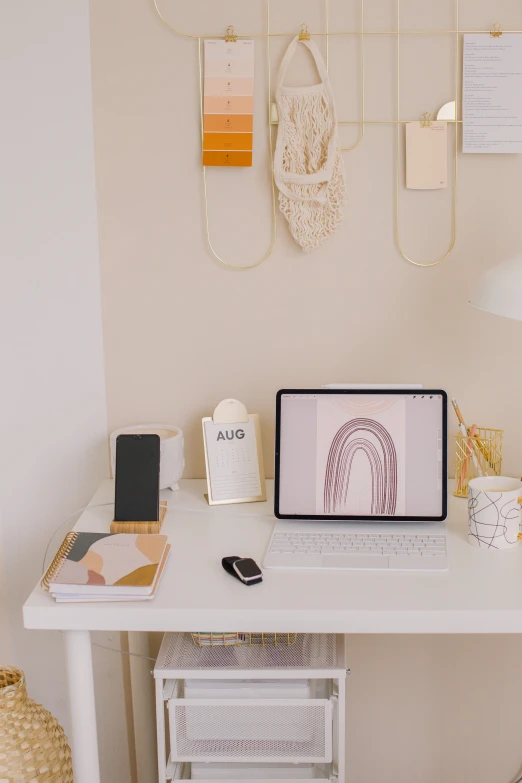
(236, 426)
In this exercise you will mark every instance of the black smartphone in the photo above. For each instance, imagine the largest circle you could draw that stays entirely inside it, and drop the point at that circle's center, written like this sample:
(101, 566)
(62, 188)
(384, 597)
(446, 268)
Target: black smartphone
(137, 478)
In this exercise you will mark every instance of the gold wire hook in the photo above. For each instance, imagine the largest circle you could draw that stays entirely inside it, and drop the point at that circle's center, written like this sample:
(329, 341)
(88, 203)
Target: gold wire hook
(304, 35)
(495, 31)
(230, 37)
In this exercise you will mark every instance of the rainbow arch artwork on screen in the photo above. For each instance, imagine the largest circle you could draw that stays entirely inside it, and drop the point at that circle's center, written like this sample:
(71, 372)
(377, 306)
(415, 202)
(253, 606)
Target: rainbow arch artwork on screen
(371, 438)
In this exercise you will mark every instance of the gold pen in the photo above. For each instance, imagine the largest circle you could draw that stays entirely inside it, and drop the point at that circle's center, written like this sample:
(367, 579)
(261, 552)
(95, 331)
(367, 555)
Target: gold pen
(464, 431)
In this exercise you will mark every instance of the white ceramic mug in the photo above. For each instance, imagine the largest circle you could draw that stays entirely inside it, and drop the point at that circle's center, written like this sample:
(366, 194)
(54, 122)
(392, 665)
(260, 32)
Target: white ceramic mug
(172, 458)
(494, 512)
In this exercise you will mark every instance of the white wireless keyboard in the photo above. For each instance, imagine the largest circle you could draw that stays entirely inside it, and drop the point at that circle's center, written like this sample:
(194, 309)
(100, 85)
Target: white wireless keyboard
(338, 550)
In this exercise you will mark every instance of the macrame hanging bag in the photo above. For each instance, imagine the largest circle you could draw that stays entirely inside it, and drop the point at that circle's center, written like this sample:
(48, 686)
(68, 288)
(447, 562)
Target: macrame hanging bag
(308, 164)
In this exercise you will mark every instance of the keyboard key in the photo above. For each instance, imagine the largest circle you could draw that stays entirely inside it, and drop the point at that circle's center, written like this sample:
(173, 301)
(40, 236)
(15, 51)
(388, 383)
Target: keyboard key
(355, 561)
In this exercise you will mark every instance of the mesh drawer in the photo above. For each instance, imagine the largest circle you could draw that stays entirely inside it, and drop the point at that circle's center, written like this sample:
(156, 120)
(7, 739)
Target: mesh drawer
(180, 770)
(259, 730)
(318, 653)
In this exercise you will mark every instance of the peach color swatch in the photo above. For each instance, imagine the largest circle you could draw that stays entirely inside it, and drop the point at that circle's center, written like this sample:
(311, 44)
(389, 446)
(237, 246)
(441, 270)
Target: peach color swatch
(225, 69)
(235, 86)
(228, 103)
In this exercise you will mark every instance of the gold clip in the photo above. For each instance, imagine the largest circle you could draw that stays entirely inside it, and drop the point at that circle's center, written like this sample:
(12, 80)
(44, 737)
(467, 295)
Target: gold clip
(495, 31)
(230, 37)
(304, 35)
(426, 120)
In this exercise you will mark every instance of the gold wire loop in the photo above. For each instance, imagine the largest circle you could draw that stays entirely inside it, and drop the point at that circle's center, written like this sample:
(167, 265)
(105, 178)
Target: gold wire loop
(230, 37)
(495, 31)
(362, 65)
(426, 120)
(398, 149)
(271, 152)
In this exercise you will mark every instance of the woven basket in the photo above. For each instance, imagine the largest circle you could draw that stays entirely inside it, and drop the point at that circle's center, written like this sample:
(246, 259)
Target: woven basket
(33, 746)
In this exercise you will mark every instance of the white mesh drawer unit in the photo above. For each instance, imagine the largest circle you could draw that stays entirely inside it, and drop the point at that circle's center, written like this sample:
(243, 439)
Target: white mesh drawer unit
(258, 705)
(293, 730)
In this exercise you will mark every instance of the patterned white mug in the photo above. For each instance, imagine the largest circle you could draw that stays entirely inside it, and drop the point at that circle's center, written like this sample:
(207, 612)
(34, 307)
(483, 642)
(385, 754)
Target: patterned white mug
(494, 512)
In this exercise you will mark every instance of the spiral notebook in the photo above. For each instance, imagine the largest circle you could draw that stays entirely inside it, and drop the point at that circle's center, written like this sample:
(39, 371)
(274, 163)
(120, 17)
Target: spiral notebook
(107, 566)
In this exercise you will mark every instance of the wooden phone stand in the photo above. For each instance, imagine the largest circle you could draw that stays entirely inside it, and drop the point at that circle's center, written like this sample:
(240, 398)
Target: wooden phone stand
(141, 527)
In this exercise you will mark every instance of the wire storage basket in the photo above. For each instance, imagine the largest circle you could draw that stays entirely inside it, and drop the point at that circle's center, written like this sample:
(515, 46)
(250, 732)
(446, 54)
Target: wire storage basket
(482, 449)
(240, 639)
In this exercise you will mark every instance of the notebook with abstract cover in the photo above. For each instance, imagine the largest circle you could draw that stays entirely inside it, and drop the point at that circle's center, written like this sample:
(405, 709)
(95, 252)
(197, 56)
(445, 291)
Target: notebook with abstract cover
(105, 564)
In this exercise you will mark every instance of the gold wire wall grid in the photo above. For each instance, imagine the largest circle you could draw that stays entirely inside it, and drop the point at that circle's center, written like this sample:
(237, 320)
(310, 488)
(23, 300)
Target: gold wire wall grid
(495, 31)
(492, 31)
(484, 448)
(242, 639)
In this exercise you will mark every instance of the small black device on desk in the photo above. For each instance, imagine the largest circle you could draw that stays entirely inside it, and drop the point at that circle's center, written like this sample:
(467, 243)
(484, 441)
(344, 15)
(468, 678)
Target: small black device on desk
(137, 478)
(243, 568)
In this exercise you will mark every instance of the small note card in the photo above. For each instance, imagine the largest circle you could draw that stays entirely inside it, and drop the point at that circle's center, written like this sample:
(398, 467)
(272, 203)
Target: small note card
(426, 155)
(234, 459)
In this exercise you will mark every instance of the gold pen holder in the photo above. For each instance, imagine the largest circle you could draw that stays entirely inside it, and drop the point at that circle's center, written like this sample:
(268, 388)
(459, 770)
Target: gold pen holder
(484, 448)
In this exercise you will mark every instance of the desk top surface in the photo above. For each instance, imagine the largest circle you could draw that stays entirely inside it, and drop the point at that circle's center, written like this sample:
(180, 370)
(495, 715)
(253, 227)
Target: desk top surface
(481, 592)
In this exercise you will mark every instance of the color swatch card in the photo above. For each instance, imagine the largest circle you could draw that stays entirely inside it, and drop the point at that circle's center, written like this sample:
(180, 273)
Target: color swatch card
(228, 103)
(426, 155)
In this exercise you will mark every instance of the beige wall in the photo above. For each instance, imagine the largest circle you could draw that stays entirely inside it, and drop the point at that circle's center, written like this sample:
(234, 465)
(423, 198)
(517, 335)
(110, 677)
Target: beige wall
(182, 332)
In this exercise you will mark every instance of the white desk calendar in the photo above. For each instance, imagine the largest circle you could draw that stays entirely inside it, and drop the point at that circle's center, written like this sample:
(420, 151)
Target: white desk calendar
(233, 455)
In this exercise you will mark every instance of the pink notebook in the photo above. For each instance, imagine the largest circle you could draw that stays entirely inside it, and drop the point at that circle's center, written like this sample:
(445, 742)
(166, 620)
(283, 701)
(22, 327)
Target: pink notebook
(106, 564)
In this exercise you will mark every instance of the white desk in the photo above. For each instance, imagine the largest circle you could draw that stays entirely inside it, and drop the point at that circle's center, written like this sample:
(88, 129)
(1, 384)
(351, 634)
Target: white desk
(481, 593)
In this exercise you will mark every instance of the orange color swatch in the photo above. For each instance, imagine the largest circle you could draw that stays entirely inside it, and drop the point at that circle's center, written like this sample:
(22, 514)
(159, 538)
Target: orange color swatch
(227, 158)
(228, 123)
(227, 141)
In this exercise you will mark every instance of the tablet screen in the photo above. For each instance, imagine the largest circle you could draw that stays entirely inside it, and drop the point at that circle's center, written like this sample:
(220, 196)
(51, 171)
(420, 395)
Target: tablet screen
(361, 455)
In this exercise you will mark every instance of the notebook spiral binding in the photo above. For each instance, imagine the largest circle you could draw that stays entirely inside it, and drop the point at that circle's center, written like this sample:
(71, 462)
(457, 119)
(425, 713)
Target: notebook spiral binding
(59, 559)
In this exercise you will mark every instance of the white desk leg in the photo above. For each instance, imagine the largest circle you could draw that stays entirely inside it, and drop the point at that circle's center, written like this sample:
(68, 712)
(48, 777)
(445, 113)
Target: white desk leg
(143, 707)
(84, 740)
(341, 759)
(160, 728)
